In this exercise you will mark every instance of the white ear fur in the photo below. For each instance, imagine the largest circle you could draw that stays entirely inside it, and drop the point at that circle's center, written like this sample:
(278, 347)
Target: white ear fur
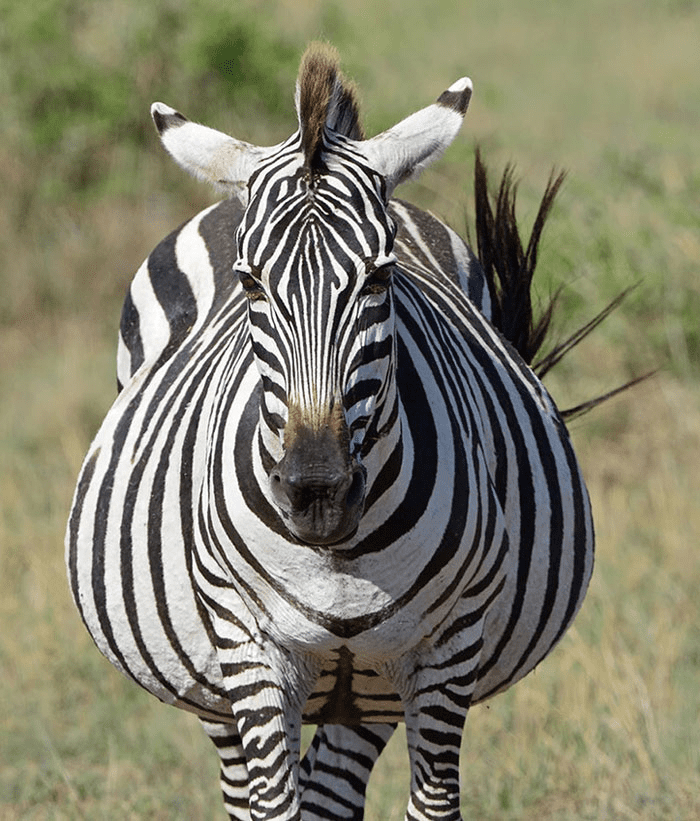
(207, 154)
(403, 151)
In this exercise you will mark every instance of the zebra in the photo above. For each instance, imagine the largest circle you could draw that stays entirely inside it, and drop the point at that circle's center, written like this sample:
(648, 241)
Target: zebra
(329, 490)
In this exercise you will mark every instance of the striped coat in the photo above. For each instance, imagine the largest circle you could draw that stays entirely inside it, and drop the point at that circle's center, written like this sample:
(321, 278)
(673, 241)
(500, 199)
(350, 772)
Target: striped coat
(329, 490)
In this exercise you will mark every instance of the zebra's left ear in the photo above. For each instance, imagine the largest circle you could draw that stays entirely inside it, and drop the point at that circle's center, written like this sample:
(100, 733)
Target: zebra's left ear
(403, 151)
(207, 154)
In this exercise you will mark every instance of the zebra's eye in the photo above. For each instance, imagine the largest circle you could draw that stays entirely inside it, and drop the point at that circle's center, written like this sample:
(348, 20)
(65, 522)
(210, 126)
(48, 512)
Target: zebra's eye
(378, 279)
(251, 287)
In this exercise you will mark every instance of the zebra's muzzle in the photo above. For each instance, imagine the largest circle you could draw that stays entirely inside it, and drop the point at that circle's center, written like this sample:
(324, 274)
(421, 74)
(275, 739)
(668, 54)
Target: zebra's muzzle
(319, 490)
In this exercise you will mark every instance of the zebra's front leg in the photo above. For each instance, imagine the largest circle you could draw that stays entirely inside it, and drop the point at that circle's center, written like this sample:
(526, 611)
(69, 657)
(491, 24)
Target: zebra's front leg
(436, 688)
(434, 733)
(234, 771)
(268, 689)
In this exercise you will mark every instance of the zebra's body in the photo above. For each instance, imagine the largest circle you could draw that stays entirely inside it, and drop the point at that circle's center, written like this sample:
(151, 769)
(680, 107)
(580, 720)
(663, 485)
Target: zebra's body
(462, 545)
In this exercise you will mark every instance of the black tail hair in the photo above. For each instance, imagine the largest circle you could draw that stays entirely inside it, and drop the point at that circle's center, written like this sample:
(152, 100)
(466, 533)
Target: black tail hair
(509, 268)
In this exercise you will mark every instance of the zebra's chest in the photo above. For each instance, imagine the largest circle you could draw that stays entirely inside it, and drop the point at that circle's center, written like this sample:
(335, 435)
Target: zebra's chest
(418, 547)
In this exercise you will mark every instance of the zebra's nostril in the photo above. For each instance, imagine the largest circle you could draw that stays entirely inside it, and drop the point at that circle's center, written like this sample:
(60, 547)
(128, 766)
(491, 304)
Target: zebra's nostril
(356, 491)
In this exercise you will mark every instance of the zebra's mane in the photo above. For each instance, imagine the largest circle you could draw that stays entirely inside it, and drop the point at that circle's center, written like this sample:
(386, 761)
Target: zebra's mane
(325, 99)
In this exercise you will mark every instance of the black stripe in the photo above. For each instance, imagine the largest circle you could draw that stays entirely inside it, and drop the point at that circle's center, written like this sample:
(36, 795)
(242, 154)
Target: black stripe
(172, 289)
(76, 514)
(130, 328)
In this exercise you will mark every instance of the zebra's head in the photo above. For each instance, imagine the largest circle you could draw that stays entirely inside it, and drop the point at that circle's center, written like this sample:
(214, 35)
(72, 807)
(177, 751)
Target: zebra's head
(315, 261)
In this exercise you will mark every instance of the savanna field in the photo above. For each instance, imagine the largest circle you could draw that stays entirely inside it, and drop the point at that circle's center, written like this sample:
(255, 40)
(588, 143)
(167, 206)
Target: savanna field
(608, 726)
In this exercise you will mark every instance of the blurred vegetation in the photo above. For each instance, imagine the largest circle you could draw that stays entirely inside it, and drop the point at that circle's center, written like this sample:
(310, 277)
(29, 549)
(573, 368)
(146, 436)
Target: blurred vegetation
(81, 77)
(607, 727)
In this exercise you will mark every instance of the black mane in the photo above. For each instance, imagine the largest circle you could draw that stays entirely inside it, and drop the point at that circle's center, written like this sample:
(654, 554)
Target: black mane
(326, 99)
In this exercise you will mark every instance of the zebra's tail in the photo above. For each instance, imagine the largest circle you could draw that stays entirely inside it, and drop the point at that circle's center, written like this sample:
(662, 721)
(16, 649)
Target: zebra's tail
(509, 267)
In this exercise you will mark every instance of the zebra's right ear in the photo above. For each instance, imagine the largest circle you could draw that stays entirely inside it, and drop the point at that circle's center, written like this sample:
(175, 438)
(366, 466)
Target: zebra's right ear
(207, 154)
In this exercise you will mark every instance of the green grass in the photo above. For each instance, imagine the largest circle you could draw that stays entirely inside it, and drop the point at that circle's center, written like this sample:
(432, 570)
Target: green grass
(606, 728)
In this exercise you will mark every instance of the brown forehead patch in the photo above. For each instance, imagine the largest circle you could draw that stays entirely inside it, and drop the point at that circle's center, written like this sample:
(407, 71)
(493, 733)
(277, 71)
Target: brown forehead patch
(326, 99)
(328, 418)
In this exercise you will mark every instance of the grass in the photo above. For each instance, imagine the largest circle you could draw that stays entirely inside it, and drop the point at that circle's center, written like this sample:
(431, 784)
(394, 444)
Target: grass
(606, 728)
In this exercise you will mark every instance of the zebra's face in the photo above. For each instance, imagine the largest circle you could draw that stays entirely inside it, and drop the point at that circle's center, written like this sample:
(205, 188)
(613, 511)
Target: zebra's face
(316, 265)
(315, 261)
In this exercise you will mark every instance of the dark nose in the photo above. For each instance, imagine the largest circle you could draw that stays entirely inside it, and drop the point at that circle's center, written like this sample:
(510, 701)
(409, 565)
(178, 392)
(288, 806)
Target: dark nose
(318, 485)
(319, 489)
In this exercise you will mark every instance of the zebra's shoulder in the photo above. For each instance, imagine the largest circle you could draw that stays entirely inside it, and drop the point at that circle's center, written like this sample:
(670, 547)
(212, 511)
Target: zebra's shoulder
(427, 245)
(184, 278)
